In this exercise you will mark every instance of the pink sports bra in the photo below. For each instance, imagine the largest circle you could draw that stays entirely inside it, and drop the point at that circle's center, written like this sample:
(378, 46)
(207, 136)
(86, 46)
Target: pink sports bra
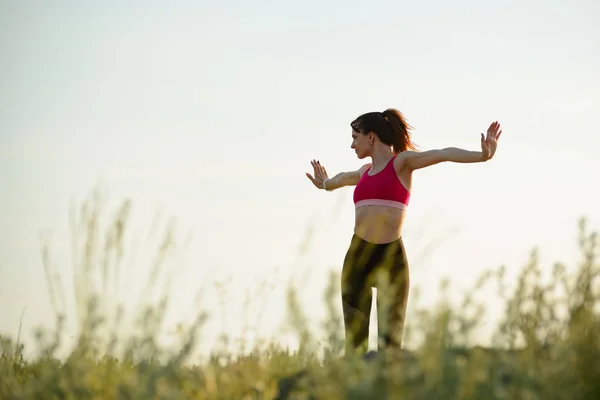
(382, 189)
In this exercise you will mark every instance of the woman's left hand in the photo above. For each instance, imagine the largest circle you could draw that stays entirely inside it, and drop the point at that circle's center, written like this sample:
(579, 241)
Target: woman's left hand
(489, 143)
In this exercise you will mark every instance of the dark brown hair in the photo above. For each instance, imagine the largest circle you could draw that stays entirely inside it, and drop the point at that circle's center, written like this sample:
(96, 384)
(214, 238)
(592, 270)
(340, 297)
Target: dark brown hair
(390, 127)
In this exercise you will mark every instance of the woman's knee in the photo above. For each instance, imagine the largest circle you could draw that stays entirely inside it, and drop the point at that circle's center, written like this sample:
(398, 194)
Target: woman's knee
(353, 312)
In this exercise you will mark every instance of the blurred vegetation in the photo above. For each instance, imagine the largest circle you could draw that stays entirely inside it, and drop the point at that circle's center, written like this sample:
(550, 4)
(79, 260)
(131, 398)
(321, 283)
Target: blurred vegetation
(546, 345)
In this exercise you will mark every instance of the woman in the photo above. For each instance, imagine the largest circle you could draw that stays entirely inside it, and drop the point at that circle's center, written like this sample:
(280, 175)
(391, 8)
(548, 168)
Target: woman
(376, 256)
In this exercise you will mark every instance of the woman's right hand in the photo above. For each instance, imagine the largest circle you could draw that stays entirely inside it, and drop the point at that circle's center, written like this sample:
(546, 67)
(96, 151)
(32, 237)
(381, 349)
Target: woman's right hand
(320, 174)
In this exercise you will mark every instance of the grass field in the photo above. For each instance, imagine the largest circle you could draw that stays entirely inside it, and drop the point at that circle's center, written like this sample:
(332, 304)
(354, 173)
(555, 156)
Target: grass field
(546, 346)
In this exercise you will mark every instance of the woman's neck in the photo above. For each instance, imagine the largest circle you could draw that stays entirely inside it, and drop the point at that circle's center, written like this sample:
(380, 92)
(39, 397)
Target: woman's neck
(381, 156)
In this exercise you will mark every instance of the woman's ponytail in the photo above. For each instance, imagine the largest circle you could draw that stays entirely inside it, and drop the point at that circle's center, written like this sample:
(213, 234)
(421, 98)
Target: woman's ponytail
(401, 140)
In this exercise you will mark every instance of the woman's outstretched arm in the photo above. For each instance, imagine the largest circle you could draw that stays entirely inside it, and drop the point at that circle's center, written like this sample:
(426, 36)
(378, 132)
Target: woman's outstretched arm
(417, 160)
(321, 180)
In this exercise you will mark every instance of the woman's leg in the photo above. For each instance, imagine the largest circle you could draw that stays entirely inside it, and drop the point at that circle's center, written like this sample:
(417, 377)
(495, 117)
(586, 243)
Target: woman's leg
(356, 295)
(392, 297)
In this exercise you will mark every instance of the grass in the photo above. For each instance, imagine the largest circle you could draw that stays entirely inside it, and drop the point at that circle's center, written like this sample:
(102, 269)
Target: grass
(546, 345)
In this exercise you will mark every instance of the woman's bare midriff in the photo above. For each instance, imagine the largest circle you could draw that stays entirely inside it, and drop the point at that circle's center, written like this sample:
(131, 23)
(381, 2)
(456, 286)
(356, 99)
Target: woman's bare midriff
(379, 224)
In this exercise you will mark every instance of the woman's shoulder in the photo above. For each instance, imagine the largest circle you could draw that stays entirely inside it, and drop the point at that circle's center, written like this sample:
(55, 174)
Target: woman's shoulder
(364, 168)
(401, 159)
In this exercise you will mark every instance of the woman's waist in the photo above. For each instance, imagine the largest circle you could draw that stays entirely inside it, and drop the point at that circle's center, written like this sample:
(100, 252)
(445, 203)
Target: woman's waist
(379, 223)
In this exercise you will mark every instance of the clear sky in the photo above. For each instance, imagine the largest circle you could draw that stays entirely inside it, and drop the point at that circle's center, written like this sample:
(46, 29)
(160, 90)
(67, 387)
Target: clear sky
(211, 111)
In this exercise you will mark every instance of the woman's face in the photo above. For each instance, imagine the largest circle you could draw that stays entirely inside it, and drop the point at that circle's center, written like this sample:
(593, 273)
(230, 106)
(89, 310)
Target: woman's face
(361, 144)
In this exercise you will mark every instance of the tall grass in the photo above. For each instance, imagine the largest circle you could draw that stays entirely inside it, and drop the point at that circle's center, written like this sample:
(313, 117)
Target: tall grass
(546, 345)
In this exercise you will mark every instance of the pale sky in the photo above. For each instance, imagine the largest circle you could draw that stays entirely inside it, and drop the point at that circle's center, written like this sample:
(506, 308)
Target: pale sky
(211, 111)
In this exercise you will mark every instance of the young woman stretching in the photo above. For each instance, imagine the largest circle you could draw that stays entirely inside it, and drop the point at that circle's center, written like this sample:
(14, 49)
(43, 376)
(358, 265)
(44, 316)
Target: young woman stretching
(381, 198)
